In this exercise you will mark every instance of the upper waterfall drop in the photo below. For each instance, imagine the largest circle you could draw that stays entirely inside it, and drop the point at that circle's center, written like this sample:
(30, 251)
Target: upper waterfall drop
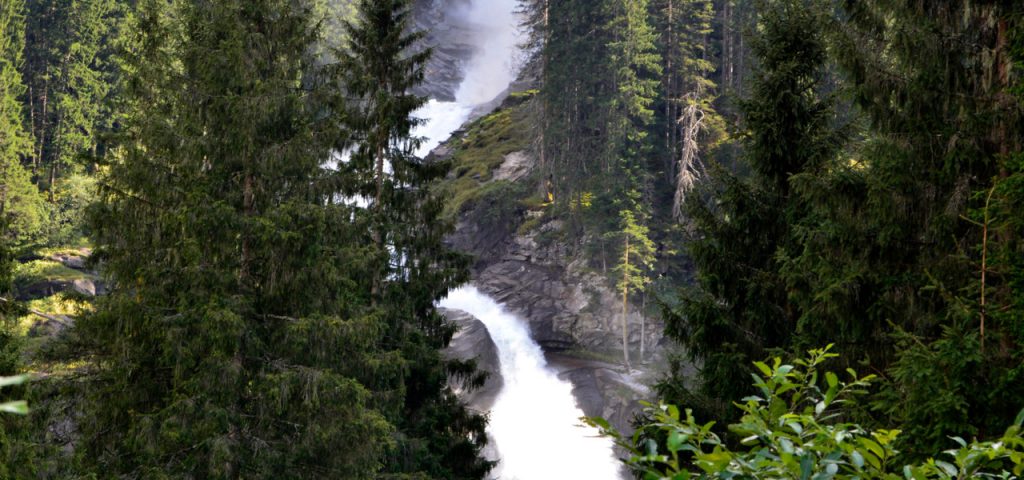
(535, 419)
(494, 28)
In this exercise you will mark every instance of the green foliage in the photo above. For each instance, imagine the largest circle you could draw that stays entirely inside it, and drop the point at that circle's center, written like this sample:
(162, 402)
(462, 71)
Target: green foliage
(409, 268)
(482, 150)
(793, 427)
(71, 76)
(67, 214)
(633, 272)
(896, 264)
(22, 212)
(928, 408)
(240, 339)
(745, 227)
(19, 201)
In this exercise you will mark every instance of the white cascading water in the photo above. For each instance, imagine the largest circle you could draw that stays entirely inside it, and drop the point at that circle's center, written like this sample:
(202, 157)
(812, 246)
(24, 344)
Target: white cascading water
(535, 420)
(496, 34)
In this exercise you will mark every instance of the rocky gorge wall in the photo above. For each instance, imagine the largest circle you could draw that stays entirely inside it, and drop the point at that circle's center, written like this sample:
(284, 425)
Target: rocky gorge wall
(520, 260)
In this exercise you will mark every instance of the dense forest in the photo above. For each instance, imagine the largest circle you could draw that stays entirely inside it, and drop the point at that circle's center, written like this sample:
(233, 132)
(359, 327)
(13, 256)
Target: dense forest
(837, 185)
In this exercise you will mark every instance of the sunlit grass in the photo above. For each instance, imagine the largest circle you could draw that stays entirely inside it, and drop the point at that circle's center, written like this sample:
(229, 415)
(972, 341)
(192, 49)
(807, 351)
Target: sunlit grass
(44, 270)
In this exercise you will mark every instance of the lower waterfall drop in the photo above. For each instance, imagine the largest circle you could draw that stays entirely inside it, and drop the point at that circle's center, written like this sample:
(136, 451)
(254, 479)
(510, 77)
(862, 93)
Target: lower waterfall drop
(535, 420)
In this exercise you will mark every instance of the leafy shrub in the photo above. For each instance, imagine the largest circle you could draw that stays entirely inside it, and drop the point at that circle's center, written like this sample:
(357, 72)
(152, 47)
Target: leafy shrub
(793, 428)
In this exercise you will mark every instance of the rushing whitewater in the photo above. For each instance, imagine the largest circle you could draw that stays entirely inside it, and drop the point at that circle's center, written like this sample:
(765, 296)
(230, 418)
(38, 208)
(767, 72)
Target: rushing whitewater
(535, 420)
(495, 32)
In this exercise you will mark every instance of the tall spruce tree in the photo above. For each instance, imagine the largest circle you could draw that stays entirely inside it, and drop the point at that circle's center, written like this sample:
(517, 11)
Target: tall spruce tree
(633, 66)
(14, 144)
(633, 270)
(20, 212)
(21, 209)
(238, 340)
(893, 271)
(623, 201)
(414, 269)
(575, 82)
(738, 310)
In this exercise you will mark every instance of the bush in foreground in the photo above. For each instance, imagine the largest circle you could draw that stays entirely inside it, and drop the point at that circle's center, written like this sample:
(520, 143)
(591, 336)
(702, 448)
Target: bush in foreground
(794, 428)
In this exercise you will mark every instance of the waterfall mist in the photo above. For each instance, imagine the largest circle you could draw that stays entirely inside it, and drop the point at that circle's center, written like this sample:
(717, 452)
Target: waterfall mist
(494, 30)
(535, 420)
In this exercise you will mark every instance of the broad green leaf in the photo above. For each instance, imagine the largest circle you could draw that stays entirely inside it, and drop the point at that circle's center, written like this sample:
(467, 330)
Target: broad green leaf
(675, 440)
(947, 467)
(858, 459)
(832, 379)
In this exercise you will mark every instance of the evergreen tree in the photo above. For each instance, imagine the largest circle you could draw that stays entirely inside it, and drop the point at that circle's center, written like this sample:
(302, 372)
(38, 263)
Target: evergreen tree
(379, 72)
(414, 270)
(17, 198)
(623, 182)
(739, 310)
(691, 126)
(633, 68)
(70, 73)
(906, 227)
(21, 209)
(237, 341)
(575, 86)
(634, 269)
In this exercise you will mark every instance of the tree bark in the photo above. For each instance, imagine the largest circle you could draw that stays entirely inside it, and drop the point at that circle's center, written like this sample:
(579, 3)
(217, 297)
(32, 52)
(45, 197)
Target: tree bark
(643, 325)
(32, 127)
(625, 307)
(248, 208)
(40, 158)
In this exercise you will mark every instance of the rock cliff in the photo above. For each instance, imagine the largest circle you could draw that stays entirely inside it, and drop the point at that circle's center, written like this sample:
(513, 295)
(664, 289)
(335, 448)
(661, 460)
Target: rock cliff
(523, 259)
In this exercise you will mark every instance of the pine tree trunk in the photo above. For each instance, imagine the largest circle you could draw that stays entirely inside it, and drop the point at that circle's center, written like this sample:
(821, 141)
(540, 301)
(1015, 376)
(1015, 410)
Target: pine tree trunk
(380, 170)
(42, 127)
(670, 94)
(248, 197)
(1005, 98)
(625, 306)
(378, 239)
(53, 180)
(728, 40)
(544, 107)
(643, 325)
(32, 127)
(3, 195)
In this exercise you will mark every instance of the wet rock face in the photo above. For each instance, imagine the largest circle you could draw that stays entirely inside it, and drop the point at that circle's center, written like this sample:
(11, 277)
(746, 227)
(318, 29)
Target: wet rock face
(473, 342)
(602, 389)
(449, 37)
(568, 304)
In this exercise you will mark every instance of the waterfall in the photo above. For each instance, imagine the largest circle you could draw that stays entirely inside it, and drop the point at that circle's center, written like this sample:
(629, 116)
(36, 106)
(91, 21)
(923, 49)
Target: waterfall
(535, 420)
(494, 28)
